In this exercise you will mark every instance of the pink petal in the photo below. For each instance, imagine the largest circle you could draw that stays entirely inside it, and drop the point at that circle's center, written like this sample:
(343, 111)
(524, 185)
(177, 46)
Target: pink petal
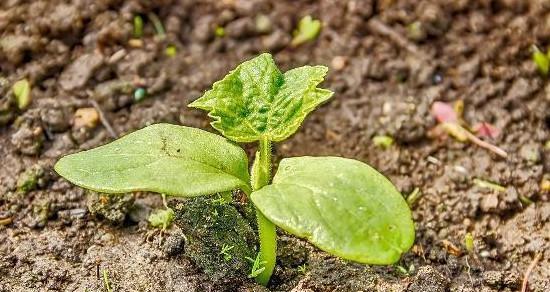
(444, 112)
(486, 130)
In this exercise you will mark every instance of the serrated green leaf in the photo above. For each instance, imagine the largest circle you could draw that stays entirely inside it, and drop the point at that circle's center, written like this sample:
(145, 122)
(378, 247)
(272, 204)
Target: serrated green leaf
(256, 101)
(342, 206)
(163, 158)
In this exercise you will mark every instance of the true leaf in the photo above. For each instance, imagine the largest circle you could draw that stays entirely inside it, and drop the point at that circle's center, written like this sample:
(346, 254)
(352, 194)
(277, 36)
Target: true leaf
(256, 101)
(163, 158)
(342, 206)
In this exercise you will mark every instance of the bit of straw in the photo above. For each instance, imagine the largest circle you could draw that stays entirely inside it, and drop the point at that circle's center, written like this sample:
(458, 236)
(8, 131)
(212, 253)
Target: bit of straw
(103, 119)
(6, 221)
(489, 185)
(159, 28)
(495, 149)
(414, 196)
(525, 283)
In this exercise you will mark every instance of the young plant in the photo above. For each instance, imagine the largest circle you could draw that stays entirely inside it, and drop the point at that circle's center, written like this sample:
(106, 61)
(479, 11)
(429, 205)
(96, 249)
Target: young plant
(342, 206)
(308, 29)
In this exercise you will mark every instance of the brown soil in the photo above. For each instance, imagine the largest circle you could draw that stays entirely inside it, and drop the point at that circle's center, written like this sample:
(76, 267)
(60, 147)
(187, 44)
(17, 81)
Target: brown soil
(385, 72)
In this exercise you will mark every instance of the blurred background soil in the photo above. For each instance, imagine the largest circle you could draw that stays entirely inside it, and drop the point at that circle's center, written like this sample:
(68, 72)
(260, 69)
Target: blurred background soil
(389, 61)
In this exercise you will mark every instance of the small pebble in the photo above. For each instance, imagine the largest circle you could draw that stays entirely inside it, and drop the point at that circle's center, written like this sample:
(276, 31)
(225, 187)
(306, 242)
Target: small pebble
(86, 117)
(140, 94)
(338, 63)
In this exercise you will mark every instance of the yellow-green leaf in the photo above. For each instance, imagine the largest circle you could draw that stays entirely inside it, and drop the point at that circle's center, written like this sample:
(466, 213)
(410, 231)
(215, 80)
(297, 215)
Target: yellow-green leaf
(22, 92)
(308, 29)
(256, 101)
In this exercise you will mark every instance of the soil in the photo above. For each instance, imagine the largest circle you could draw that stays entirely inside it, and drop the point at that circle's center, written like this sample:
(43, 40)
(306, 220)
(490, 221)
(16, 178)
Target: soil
(389, 61)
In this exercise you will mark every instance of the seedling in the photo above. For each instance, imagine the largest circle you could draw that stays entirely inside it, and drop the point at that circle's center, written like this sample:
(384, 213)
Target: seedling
(258, 266)
(106, 283)
(342, 206)
(219, 31)
(138, 26)
(469, 242)
(414, 196)
(542, 60)
(161, 218)
(225, 252)
(308, 29)
(157, 24)
(22, 92)
(171, 51)
(382, 141)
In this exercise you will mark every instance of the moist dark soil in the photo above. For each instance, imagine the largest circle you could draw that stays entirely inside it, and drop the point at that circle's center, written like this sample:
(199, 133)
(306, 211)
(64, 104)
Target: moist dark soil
(389, 61)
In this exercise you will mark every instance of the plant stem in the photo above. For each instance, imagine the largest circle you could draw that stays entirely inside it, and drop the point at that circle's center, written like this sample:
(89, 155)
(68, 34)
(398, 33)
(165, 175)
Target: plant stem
(261, 176)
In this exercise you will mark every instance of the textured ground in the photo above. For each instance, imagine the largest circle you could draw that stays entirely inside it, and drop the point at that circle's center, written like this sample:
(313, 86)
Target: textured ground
(389, 61)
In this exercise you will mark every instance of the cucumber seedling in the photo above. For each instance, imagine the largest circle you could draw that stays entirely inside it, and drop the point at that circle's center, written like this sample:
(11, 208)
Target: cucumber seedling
(342, 206)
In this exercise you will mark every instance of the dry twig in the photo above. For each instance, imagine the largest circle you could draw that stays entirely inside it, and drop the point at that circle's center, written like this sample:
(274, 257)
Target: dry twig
(528, 272)
(103, 119)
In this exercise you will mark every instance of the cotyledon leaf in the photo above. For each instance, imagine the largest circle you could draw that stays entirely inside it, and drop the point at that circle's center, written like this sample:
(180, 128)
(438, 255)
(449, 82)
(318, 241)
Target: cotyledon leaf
(163, 158)
(342, 206)
(256, 101)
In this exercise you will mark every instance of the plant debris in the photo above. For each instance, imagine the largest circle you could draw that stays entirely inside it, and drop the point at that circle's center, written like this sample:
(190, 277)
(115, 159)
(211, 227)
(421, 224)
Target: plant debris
(449, 122)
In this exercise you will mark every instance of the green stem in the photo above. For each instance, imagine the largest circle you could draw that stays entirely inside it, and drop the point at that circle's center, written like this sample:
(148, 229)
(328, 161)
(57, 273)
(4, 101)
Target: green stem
(261, 176)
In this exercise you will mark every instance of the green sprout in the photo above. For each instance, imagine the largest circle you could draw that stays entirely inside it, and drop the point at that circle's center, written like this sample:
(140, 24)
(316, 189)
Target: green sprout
(469, 242)
(302, 269)
(161, 218)
(138, 26)
(382, 141)
(22, 92)
(342, 206)
(542, 60)
(404, 271)
(106, 283)
(219, 31)
(225, 252)
(258, 266)
(308, 29)
(414, 196)
(489, 185)
(171, 51)
(157, 24)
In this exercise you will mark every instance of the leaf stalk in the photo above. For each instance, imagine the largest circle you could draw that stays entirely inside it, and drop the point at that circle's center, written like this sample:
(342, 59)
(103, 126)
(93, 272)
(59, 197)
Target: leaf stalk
(261, 176)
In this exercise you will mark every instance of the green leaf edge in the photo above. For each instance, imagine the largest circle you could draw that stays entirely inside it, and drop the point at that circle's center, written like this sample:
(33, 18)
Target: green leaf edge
(199, 104)
(59, 165)
(308, 237)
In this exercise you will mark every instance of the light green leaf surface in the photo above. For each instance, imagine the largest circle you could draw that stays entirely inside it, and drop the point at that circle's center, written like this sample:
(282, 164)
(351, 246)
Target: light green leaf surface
(542, 61)
(308, 29)
(256, 100)
(161, 218)
(22, 92)
(342, 206)
(163, 158)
